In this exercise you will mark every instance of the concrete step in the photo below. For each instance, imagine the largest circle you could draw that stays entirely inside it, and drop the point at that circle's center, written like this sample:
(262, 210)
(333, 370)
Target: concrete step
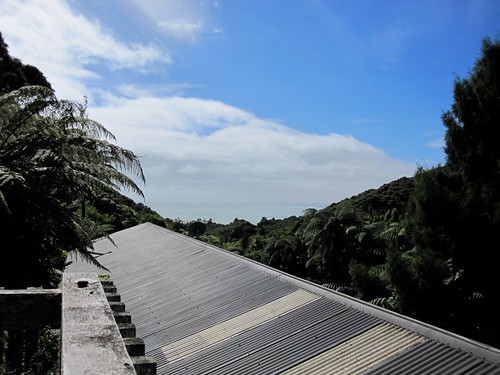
(126, 329)
(106, 283)
(108, 286)
(113, 297)
(109, 289)
(122, 317)
(144, 365)
(135, 346)
(117, 306)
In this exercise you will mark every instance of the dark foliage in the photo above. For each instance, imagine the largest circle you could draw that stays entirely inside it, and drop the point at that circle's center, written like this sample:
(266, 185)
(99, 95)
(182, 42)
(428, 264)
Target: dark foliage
(14, 74)
(455, 212)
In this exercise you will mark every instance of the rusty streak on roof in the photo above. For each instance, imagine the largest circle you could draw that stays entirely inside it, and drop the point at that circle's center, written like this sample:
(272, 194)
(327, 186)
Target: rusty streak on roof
(201, 309)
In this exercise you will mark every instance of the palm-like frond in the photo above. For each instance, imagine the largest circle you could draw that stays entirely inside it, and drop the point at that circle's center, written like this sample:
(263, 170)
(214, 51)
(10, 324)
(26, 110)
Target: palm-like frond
(314, 260)
(393, 231)
(385, 302)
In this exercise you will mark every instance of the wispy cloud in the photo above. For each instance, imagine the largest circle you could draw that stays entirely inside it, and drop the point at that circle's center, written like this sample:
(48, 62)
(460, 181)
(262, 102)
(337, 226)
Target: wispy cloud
(436, 143)
(435, 139)
(66, 46)
(181, 28)
(132, 91)
(179, 19)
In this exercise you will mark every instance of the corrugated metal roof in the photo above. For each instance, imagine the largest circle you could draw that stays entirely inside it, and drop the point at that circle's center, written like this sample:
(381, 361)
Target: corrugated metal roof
(234, 326)
(361, 353)
(203, 310)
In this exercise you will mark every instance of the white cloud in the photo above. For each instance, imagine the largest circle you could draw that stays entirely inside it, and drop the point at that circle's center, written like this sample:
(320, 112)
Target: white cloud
(437, 143)
(179, 19)
(151, 90)
(181, 28)
(65, 46)
(170, 113)
(206, 158)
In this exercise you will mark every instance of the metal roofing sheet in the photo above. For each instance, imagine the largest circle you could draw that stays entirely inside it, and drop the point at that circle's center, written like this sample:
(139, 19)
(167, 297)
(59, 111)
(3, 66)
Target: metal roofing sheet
(277, 345)
(360, 353)
(283, 353)
(248, 342)
(234, 326)
(432, 357)
(201, 310)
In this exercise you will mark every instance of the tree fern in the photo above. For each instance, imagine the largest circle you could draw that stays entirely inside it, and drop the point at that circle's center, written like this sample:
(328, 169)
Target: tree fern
(51, 156)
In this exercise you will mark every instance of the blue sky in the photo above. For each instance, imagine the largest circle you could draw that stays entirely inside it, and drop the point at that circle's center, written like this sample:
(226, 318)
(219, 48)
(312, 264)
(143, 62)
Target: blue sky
(252, 108)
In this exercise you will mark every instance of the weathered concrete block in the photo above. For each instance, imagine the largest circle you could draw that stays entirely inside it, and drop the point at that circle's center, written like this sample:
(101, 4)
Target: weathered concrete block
(126, 329)
(117, 306)
(122, 317)
(135, 346)
(113, 297)
(106, 283)
(144, 365)
(110, 289)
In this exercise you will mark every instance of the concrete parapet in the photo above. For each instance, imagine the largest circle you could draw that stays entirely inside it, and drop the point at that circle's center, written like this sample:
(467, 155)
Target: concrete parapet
(90, 339)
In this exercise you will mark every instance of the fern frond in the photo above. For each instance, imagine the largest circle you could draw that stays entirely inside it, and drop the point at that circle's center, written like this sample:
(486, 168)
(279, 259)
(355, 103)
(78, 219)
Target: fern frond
(385, 302)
